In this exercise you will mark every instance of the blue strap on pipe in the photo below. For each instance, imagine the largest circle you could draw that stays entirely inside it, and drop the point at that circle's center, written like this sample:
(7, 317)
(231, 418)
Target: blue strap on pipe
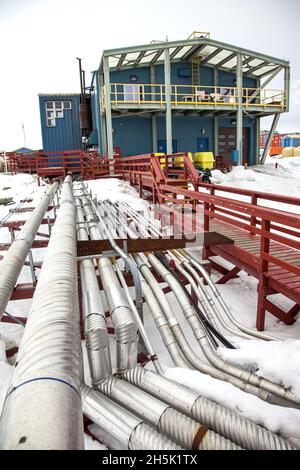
(43, 378)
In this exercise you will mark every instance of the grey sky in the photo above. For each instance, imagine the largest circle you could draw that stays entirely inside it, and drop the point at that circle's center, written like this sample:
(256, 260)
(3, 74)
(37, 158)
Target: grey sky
(40, 40)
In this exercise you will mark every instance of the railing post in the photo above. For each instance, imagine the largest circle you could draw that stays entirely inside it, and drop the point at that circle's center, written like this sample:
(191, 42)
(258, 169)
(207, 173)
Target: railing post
(263, 279)
(254, 203)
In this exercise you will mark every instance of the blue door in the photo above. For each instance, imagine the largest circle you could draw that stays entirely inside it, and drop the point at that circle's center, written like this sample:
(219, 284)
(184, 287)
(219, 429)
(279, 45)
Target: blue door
(162, 146)
(202, 144)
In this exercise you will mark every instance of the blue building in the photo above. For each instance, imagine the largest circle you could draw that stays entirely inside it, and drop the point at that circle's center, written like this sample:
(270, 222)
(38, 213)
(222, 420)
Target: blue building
(292, 140)
(182, 96)
(192, 95)
(59, 115)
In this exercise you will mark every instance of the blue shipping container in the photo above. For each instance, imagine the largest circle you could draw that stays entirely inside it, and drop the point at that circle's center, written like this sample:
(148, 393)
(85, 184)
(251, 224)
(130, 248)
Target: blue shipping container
(59, 115)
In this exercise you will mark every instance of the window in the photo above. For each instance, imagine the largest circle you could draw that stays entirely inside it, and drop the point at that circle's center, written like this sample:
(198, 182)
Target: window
(131, 92)
(55, 110)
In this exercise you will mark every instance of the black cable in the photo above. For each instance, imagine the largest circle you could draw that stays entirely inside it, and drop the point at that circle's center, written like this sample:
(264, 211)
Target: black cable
(209, 328)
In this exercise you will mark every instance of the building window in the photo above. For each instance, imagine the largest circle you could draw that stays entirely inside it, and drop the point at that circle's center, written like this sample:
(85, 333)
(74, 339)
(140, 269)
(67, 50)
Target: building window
(55, 110)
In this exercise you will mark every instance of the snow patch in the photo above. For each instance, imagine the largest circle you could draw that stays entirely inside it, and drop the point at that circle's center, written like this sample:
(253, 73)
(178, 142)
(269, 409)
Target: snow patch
(280, 420)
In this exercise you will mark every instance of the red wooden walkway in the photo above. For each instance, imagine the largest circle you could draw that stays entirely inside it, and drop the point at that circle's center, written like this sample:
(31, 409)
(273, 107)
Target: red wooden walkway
(267, 240)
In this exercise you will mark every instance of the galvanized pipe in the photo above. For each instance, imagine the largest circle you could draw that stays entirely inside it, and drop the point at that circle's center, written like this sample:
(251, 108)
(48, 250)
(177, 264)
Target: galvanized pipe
(124, 428)
(122, 317)
(125, 326)
(139, 323)
(243, 432)
(165, 419)
(190, 358)
(15, 257)
(202, 339)
(191, 260)
(163, 326)
(95, 327)
(203, 297)
(42, 409)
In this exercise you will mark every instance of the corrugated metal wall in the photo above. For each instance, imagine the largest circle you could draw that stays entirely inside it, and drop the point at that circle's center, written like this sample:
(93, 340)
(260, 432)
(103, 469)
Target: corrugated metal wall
(134, 134)
(66, 135)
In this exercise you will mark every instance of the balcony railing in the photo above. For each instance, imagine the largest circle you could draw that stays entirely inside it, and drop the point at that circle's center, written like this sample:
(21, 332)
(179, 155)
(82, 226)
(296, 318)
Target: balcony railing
(139, 95)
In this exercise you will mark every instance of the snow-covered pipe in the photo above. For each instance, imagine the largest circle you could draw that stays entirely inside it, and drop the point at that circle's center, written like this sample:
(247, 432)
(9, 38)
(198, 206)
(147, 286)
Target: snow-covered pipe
(42, 409)
(95, 327)
(190, 358)
(120, 427)
(122, 317)
(200, 335)
(178, 427)
(191, 260)
(243, 432)
(15, 257)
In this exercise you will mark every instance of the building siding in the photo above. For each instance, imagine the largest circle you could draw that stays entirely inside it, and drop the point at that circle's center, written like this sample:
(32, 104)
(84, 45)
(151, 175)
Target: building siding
(66, 135)
(133, 134)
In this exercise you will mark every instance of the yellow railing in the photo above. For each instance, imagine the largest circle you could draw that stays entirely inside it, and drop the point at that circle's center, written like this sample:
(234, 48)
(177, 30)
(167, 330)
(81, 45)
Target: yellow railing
(190, 95)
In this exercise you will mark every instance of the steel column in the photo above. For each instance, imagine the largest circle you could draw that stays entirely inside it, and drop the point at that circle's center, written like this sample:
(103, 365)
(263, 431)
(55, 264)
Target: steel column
(109, 129)
(239, 114)
(168, 101)
(257, 138)
(287, 79)
(153, 118)
(216, 119)
(102, 118)
(270, 137)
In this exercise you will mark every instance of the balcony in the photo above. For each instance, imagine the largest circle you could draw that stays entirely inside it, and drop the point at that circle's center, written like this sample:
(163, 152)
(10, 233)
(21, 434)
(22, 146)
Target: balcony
(128, 96)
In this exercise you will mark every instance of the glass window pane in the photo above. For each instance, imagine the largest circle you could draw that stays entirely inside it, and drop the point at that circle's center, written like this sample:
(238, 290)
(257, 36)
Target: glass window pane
(67, 104)
(49, 105)
(59, 114)
(52, 122)
(58, 104)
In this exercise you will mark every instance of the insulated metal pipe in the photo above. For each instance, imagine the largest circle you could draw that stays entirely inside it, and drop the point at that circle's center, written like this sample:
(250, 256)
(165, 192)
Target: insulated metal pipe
(200, 335)
(42, 409)
(191, 359)
(139, 322)
(178, 427)
(120, 427)
(191, 260)
(15, 257)
(163, 326)
(205, 300)
(125, 326)
(243, 432)
(95, 327)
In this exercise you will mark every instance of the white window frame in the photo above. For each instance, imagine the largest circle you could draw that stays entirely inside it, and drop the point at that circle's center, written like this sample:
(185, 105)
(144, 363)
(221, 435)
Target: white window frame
(57, 112)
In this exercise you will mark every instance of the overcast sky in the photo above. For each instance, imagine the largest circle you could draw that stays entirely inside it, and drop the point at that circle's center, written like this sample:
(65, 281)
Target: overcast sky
(40, 40)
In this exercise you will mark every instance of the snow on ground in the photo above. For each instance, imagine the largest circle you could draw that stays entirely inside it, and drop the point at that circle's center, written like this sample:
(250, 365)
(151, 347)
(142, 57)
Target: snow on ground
(278, 361)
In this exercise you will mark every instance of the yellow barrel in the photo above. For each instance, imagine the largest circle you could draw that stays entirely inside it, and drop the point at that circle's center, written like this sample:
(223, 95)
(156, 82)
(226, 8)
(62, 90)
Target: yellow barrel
(162, 160)
(297, 152)
(178, 161)
(288, 152)
(204, 159)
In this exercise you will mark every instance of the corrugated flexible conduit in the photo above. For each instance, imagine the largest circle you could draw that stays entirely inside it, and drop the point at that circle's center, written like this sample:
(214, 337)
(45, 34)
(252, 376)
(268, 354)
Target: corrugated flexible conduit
(190, 358)
(178, 427)
(124, 428)
(95, 327)
(200, 335)
(223, 421)
(188, 260)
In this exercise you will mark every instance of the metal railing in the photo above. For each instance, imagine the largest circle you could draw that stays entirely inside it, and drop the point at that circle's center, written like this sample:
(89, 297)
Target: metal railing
(191, 95)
